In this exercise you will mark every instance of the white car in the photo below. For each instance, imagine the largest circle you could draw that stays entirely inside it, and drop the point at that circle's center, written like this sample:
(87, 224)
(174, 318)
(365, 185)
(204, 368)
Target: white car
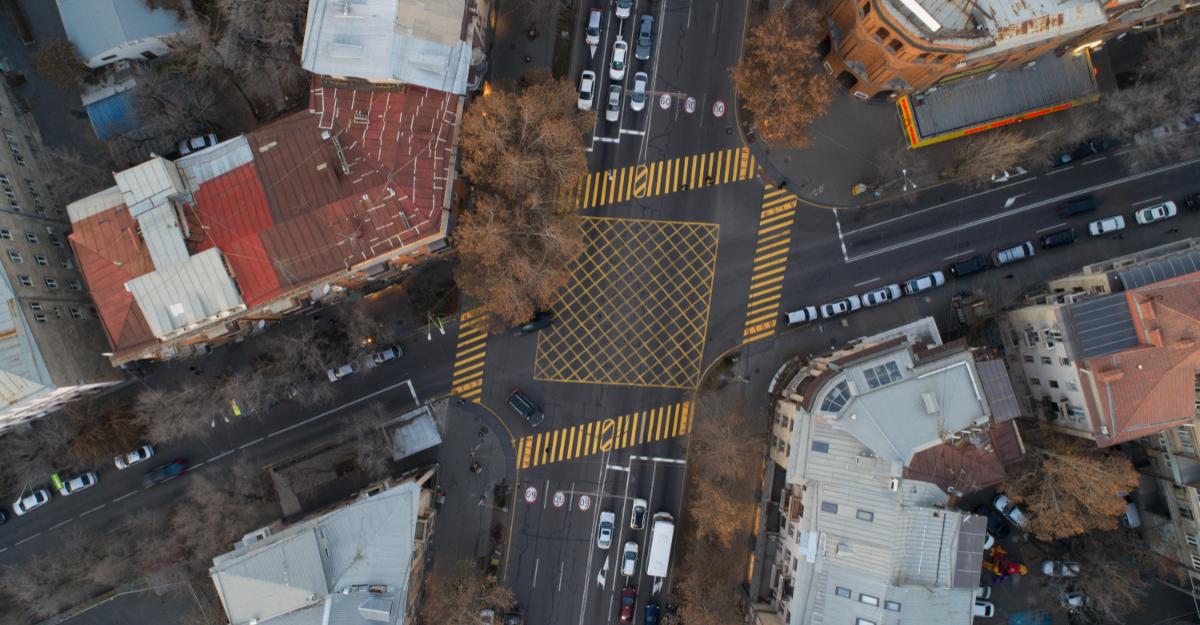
(620, 58)
(1151, 214)
(985, 609)
(604, 532)
(1060, 568)
(629, 559)
(35, 499)
(587, 90)
(195, 144)
(78, 483)
(983, 592)
(623, 8)
(807, 314)
(1073, 600)
(591, 34)
(882, 295)
(637, 97)
(141, 454)
(612, 111)
(923, 283)
(1005, 175)
(391, 352)
(1010, 510)
(843, 306)
(337, 373)
(637, 519)
(1106, 225)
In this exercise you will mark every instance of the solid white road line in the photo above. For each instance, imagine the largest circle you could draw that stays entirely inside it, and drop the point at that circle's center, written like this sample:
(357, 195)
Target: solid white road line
(93, 510)
(328, 412)
(659, 459)
(639, 133)
(54, 527)
(958, 254)
(838, 222)
(1153, 199)
(1060, 170)
(253, 442)
(537, 562)
(219, 456)
(1051, 227)
(607, 139)
(3, 550)
(935, 206)
(25, 540)
(875, 279)
(129, 494)
(1094, 160)
(561, 566)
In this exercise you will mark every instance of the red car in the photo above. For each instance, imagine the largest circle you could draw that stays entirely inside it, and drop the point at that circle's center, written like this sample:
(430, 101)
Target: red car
(628, 600)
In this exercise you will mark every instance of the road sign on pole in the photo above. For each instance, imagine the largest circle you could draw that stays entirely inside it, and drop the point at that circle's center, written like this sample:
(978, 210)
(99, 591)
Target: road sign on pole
(530, 494)
(718, 108)
(689, 105)
(585, 502)
(559, 499)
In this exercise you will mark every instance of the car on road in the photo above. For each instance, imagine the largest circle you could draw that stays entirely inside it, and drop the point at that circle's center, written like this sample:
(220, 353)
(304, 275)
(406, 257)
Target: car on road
(3, 517)
(645, 38)
(141, 454)
(628, 603)
(968, 266)
(650, 615)
(1107, 225)
(1192, 201)
(591, 35)
(35, 499)
(924, 282)
(164, 472)
(629, 556)
(637, 518)
(605, 529)
(1058, 238)
(540, 320)
(1072, 599)
(1060, 568)
(985, 609)
(983, 592)
(840, 307)
(77, 483)
(389, 353)
(620, 58)
(522, 405)
(1158, 212)
(337, 373)
(1084, 150)
(1021, 251)
(882, 295)
(802, 315)
(1011, 511)
(637, 96)
(195, 144)
(612, 112)
(997, 523)
(623, 8)
(1085, 204)
(587, 90)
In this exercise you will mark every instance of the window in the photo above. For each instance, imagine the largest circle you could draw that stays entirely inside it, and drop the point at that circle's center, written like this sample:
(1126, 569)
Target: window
(882, 33)
(865, 515)
(1028, 358)
(895, 44)
(76, 313)
(1195, 561)
(55, 241)
(1035, 381)
(894, 606)
(868, 599)
(25, 280)
(1185, 512)
(829, 506)
(1066, 362)
(14, 256)
(31, 237)
(41, 260)
(13, 204)
(1053, 383)
(5, 234)
(51, 283)
(863, 621)
(39, 318)
(66, 262)
(842, 592)
(59, 312)
(1193, 540)
(837, 397)
(884, 374)
(35, 306)
(820, 446)
(1047, 361)
(1072, 386)
(1074, 411)
(76, 285)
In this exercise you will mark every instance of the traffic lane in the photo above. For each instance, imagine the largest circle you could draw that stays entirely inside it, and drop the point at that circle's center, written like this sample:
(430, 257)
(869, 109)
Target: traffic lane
(614, 30)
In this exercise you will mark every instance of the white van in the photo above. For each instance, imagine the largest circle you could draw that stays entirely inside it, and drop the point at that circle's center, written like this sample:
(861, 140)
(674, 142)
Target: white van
(592, 36)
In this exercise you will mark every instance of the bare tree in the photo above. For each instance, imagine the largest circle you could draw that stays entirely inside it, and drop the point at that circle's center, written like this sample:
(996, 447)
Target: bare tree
(708, 594)
(58, 61)
(457, 597)
(101, 429)
(72, 174)
(978, 158)
(29, 455)
(1112, 585)
(371, 444)
(172, 414)
(259, 42)
(729, 445)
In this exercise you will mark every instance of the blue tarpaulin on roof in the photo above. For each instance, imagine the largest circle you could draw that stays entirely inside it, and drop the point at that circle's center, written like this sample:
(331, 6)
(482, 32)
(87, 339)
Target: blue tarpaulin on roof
(113, 115)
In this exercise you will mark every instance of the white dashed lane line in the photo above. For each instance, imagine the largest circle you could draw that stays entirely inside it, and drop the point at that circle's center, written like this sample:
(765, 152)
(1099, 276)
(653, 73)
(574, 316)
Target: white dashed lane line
(60, 524)
(219, 456)
(93, 510)
(129, 494)
(253, 442)
(25, 540)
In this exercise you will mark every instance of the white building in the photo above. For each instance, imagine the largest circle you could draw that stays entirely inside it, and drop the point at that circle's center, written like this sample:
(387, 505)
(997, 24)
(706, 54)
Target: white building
(106, 31)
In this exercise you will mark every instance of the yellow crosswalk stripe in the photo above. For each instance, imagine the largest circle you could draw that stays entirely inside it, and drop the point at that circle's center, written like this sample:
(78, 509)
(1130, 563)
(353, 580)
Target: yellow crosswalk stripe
(470, 354)
(776, 217)
(609, 434)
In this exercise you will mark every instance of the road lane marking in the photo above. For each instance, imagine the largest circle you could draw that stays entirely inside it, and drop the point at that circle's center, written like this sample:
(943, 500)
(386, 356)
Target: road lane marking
(93, 510)
(604, 435)
(129, 494)
(776, 215)
(1051, 227)
(1060, 170)
(926, 210)
(958, 254)
(469, 356)
(326, 413)
(678, 174)
(659, 459)
(253, 442)
(54, 527)
(864, 282)
(1094, 160)
(1153, 199)
(639, 133)
(198, 465)
(221, 455)
(25, 540)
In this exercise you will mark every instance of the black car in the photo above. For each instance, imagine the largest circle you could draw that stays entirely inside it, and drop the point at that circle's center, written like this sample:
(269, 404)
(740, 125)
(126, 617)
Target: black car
(1085, 204)
(525, 407)
(997, 525)
(969, 266)
(165, 472)
(539, 321)
(1192, 202)
(1085, 149)
(651, 615)
(1066, 236)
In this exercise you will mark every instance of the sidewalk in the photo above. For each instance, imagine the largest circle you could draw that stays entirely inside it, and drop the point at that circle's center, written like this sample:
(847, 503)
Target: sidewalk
(513, 44)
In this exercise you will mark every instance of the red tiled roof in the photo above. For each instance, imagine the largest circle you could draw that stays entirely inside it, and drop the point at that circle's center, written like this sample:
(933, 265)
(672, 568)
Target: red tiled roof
(1151, 387)
(232, 210)
(967, 467)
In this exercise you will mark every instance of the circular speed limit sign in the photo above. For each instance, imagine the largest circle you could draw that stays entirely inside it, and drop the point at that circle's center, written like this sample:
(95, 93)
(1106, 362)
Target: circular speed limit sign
(718, 108)
(689, 105)
(559, 499)
(664, 101)
(530, 494)
(585, 502)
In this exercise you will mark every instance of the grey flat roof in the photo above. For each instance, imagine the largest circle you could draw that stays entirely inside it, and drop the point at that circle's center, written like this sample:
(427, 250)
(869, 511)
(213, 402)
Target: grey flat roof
(970, 546)
(973, 101)
(997, 387)
(1159, 270)
(1103, 325)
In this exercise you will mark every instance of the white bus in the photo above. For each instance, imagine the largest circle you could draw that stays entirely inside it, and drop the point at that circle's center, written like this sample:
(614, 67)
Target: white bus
(661, 535)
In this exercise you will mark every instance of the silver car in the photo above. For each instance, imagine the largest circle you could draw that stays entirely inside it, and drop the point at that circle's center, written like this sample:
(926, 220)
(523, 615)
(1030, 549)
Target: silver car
(924, 282)
(612, 112)
(882, 295)
(840, 307)
(637, 96)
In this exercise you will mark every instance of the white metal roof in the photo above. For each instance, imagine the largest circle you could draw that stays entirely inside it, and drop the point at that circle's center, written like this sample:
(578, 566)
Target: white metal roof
(95, 203)
(199, 167)
(185, 293)
(98, 26)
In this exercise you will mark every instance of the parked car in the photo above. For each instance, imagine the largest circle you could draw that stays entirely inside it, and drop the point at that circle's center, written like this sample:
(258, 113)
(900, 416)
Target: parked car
(1107, 225)
(612, 112)
(1058, 238)
(968, 266)
(628, 602)
(882, 295)
(389, 353)
(629, 557)
(924, 282)
(587, 90)
(75, 484)
(3, 517)
(806, 314)
(35, 499)
(637, 96)
(337, 373)
(591, 35)
(840, 307)
(540, 320)
(985, 609)
(637, 518)
(623, 7)
(164, 473)
(522, 405)
(1013, 254)
(650, 615)
(1158, 212)
(1005, 175)
(1072, 600)
(1085, 204)
(645, 37)
(605, 529)
(1192, 201)
(1060, 568)
(997, 523)
(1084, 150)
(983, 592)
(620, 57)
(141, 454)
(1011, 511)
(195, 144)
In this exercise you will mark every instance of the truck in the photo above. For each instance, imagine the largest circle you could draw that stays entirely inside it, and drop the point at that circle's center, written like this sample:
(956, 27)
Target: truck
(662, 532)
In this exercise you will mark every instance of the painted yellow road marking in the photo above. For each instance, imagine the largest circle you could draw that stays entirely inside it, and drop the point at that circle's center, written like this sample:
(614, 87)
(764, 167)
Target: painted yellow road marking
(470, 355)
(776, 217)
(610, 434)
(656, 178)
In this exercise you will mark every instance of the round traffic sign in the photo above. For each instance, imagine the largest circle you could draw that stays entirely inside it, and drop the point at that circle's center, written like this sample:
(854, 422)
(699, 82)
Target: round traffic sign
(664, 101)
(689, 105)
(559, 499)
(585, 502)
(530, 494)
(718, 108)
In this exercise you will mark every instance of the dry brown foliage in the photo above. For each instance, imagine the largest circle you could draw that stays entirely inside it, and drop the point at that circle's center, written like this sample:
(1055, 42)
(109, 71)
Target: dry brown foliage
(459, 595)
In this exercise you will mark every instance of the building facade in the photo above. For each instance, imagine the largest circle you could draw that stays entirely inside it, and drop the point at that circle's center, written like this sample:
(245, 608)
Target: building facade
(108, 31)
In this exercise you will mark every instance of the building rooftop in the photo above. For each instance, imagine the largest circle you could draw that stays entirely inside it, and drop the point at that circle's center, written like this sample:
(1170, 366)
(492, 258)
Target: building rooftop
(995, 25)
(1102, 325)
(97, 26)
(1166, 268)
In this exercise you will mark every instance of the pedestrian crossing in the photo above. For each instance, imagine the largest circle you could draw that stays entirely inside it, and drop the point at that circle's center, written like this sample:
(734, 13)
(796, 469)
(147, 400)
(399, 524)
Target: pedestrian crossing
(770, 262)
(467, 381)
(609, 434)
(647, 180)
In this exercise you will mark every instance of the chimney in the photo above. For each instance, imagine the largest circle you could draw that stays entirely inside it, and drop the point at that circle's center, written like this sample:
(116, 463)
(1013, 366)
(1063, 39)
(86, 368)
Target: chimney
(1154, 337)
(1187, 343)
(1146, 309)
(1108, 376)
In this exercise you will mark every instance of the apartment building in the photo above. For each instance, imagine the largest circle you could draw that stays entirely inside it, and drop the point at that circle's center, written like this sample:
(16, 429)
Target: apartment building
(50, 337)
(869, 448)
(108, 31)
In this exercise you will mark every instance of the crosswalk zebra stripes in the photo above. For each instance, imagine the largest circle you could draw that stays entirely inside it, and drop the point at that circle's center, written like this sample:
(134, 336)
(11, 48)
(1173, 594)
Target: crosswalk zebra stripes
(656, 178)
(609, 434)
(770, 262)
(467, 380)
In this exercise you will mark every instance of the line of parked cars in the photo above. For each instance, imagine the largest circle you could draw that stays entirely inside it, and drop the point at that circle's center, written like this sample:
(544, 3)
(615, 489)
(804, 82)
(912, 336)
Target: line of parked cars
(618, 64)
(381, 356)
(875, 297)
